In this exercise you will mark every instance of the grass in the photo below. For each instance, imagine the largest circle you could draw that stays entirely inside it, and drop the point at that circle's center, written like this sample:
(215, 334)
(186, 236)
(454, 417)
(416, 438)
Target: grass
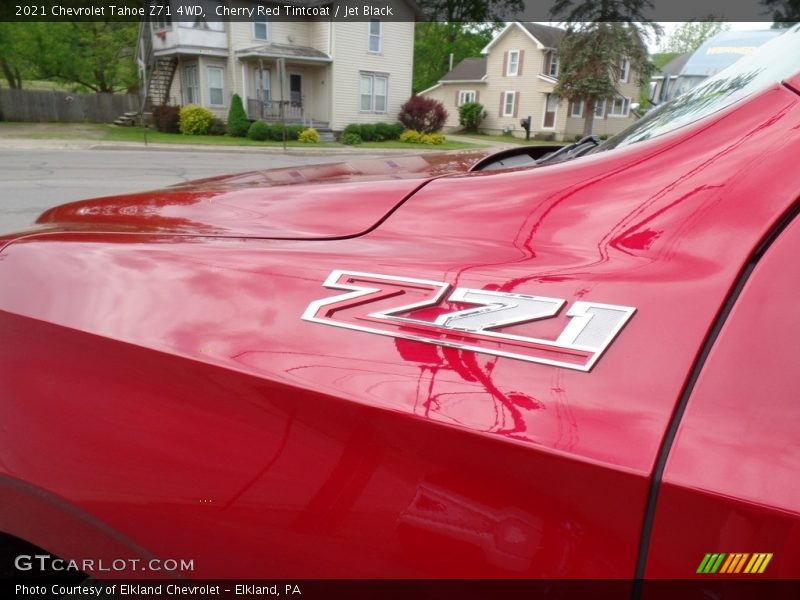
(112, 133)
(135, 134)
(508, 139)
(404, 145)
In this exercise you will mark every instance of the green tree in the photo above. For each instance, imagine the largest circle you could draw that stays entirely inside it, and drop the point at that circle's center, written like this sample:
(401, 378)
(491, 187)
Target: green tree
(12, 56)
(238, 124)
(599, 36)
(471, 11)
(785, 13)
(689, 36)
(95, 56)
(460, 27)
(434, 42)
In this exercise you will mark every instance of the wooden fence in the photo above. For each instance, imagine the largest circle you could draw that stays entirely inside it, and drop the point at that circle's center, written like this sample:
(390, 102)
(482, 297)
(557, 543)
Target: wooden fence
(63, 107)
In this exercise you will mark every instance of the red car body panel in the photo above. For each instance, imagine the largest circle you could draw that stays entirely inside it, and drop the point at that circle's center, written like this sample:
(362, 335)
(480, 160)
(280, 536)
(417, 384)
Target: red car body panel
(162, 386)
(288, 203)
(733, 468)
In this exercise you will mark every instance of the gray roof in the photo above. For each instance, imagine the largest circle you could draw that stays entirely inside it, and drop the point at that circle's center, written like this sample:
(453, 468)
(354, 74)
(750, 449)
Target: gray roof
(674, 67)
(548, 36)
(283, 50)
(469, 69)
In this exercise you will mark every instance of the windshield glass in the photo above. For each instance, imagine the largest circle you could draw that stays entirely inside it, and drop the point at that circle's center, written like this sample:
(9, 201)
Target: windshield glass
(771, 63)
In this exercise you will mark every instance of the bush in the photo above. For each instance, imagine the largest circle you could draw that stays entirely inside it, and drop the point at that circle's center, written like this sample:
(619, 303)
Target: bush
(397, 130)
(218, 127)
(433, 139)
(309, 136)
(353, 128)
(422, 114)
(258, 131)
(166, 118)
(351, 139)
(410, 136)
(470, 115)
(238, 124)
(293, 131)
(368, 132)
(415, 137)
(275, 132)
(195, 120)
(388, 131)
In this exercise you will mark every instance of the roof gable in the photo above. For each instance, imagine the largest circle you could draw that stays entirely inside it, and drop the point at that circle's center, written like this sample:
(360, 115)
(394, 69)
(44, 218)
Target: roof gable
(543, 36)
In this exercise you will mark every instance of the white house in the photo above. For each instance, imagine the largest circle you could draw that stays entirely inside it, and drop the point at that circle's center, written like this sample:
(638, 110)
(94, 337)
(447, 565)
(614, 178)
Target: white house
(336, 72)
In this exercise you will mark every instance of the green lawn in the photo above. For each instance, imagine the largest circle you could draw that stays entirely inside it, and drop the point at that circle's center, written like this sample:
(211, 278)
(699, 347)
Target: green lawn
(506, 138)
(397, 144)
(112, 133)
(135, 134)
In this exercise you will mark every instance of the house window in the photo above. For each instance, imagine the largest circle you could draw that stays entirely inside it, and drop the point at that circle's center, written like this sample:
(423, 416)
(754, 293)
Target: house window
(374, 93)
(160, 14)
(576, 109)
(624, 70)
(375, 30)
(599, 108)
(465, 96)
(215, 86)
(191, 91)
(620, 106)
(512, 68)
(263, 85)
(553, 70)
(550, 107)
(260, 30)
(508, 104)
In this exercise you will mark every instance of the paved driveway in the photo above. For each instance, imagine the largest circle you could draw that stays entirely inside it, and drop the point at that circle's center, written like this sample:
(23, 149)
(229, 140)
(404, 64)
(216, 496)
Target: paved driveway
(34, 177)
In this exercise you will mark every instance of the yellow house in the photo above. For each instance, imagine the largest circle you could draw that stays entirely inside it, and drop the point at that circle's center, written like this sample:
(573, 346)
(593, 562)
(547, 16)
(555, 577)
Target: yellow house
(515, 78)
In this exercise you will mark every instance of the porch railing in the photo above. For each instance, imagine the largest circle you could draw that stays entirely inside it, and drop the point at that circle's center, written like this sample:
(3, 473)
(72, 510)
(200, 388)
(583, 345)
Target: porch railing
(270, 110)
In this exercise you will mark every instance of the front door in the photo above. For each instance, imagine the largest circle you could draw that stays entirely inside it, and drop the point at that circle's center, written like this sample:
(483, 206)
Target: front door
(296, 89)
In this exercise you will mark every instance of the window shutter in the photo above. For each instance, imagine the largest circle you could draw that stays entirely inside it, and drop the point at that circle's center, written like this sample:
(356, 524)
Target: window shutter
(456, 101)
(519, 64)
(502, 101)
(505, 63)
(477, 95)
(516, 103)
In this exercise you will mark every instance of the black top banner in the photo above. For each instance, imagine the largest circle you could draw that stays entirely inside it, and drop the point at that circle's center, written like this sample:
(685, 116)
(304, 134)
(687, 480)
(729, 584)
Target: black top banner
(198, 12)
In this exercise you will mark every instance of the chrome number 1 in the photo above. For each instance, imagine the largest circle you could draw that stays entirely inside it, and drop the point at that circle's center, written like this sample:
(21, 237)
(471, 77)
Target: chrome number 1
(591, 328)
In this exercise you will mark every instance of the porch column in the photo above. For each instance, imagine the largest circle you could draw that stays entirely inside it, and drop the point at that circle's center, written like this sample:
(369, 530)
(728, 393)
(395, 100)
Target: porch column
(244, 88)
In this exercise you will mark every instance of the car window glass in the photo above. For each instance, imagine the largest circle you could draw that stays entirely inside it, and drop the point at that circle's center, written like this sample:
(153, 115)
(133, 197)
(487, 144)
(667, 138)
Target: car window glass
(773, 62)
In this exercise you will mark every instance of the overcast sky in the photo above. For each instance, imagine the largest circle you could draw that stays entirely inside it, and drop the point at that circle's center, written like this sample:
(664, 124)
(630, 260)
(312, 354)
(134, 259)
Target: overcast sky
(670, 25)
(735, 26)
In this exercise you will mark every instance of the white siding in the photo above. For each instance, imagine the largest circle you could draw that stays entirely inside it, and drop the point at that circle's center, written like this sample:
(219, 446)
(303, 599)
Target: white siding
(351, 56)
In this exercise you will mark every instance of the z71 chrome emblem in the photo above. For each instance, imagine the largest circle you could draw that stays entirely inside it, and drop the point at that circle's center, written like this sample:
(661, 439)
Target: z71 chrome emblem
(411, 309)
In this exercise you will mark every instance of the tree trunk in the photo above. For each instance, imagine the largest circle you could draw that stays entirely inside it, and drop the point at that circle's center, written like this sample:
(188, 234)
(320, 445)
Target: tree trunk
(13, 82)
(588, 119)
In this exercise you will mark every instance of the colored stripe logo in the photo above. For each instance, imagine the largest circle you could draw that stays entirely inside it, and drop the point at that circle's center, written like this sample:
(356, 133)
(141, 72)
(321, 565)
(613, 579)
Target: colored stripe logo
(735, 562)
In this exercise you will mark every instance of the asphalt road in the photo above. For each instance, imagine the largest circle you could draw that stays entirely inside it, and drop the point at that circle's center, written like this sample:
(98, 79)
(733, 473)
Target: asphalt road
(32, 180)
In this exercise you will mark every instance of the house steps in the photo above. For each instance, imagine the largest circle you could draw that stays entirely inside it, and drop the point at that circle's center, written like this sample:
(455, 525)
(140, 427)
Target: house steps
(131, 119)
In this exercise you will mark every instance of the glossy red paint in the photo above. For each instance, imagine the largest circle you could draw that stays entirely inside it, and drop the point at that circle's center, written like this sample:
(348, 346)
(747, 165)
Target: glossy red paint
(733, 467)
(289, 203)
(188, 409)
